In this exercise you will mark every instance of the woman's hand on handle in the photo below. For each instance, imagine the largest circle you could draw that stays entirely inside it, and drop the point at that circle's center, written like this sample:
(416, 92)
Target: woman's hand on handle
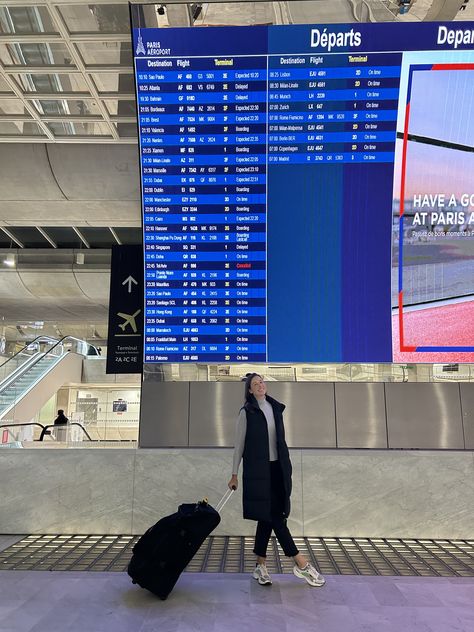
(233, 483)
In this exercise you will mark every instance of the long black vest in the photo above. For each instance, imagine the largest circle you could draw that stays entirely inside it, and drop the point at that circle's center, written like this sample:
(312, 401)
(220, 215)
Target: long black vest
(256, 461)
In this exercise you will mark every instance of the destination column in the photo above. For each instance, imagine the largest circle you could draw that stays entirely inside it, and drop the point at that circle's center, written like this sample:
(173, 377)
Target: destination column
(333, 108)
(204, 167)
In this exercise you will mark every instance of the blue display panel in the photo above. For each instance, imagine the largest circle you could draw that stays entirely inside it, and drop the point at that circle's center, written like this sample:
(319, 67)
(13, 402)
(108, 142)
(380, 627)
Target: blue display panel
(267, 163)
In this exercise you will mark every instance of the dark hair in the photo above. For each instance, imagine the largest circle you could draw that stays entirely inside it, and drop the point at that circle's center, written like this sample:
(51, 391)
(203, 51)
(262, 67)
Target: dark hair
(60, 411)
(250, 397)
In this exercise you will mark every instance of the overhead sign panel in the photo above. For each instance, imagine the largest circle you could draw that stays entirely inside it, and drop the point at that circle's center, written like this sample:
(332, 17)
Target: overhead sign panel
(125, 339)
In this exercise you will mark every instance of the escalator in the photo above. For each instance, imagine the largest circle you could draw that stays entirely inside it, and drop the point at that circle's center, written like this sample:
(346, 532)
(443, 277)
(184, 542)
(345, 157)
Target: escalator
(30, 377)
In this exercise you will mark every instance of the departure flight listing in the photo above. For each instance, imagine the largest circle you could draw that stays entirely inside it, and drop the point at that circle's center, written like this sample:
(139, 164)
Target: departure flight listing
(253, 140)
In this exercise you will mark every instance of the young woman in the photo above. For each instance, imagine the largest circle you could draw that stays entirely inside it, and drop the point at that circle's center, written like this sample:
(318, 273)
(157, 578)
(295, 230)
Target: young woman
(260, 441)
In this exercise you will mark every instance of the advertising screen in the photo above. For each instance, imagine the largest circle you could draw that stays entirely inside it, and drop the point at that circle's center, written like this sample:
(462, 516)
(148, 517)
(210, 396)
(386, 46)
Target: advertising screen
(307, 192)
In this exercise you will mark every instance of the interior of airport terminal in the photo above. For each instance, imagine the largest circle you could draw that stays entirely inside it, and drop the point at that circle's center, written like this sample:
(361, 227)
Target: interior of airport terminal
(236, 315)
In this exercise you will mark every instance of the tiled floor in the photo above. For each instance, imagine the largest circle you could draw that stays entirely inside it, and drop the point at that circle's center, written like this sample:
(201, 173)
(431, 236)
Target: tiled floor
(223, 554)
(42, 601)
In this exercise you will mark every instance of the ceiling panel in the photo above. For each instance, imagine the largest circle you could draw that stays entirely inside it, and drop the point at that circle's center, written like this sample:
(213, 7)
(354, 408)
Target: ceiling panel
(53, 82)
(127, 130)
(20, 128)
(25, 19)
(65, 107)
(35, 54)
(102, 18)
(4, 87)
(79, 129)
(121, 108)
(102, 53)
(113, 82)
(12, 106)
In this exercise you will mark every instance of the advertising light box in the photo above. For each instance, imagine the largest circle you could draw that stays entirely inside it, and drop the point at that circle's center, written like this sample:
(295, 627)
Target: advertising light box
(307, 192)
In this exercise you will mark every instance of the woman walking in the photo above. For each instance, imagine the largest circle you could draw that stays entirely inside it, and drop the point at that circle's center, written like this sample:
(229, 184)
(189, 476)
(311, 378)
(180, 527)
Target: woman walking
(260, 442)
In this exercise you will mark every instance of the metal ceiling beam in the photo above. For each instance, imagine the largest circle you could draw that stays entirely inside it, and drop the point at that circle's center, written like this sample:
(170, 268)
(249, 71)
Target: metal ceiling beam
(112, 68)
(46, 236)
(66, 118)
(81, 236)
(30, 38)
(121, 96)
(49, 38)
(59, 96)
(99, 36)
(15, 117)
(123, 119)
(59, 69)
(44, 3)
(41, 70)
(77, 139)
(12, 236)
(116, 237)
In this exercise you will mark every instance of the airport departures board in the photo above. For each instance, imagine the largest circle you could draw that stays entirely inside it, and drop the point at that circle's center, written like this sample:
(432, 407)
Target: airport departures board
(307, 192)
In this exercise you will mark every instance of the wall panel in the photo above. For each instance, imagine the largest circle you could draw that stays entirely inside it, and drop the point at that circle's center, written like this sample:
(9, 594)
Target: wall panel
(309, 414)
(360, 416)
(214, 407)
(164, 414)
(424, 416)
(467, 405)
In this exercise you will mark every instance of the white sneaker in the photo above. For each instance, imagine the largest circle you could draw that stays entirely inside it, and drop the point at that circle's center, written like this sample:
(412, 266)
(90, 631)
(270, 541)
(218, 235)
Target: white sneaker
(310, 574)
(261, 575)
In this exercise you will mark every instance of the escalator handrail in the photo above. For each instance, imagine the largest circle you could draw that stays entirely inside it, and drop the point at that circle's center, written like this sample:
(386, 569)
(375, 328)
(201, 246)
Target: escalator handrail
(70, 423)
(29, 423)
(61, 342)
(44, 428)
(56, 341)
(37, 339)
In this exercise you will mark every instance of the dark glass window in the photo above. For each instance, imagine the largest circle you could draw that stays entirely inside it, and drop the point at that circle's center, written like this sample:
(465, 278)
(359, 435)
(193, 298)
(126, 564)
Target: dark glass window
(29, 236)
(63, 237)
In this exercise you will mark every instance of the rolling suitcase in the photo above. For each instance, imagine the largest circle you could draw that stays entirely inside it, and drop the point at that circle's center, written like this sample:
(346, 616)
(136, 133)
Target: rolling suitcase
(163, 552)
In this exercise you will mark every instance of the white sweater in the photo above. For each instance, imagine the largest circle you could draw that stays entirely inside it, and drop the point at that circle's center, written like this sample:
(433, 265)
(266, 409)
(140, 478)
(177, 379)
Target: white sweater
(241, 430)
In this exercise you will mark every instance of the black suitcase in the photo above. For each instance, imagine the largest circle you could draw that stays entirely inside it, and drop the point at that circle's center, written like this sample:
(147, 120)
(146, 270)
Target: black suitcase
(163, 552)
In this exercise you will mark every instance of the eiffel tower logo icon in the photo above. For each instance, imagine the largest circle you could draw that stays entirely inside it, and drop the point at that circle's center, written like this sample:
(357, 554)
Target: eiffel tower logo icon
(140, 47)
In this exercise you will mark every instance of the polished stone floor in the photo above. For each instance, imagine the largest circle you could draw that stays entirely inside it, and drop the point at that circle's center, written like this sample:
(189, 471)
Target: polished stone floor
(42, 601)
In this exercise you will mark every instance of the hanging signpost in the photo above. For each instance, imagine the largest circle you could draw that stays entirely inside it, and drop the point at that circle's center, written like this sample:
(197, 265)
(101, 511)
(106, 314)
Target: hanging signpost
(125, 339)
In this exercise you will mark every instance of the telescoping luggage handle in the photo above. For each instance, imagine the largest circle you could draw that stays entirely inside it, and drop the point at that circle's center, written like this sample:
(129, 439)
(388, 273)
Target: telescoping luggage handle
(220, 505)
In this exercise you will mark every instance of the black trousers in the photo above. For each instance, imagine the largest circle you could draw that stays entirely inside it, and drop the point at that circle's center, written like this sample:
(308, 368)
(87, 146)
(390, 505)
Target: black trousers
(278, 522)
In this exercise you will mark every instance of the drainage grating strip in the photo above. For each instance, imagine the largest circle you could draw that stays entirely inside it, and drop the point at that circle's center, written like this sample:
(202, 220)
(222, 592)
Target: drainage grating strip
(233, 554)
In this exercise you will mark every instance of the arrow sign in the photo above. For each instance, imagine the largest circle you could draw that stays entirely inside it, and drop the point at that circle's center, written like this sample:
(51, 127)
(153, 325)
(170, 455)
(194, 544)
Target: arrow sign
(129, 280)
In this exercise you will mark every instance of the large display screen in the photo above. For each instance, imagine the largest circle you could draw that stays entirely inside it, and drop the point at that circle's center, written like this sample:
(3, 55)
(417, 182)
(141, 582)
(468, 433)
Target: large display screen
(307, 192)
